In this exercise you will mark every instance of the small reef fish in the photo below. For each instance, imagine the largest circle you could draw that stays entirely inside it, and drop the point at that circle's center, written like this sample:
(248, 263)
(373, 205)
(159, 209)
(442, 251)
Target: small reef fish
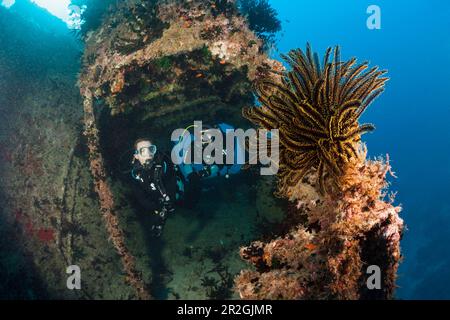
(311, 246)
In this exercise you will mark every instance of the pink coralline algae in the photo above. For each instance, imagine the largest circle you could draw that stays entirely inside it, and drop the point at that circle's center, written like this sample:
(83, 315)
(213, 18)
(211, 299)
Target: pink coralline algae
(44, 235)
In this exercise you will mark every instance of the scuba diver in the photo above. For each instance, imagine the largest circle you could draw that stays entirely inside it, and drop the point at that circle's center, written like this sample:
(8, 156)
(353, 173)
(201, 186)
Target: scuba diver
(155, 183)
(158, 185)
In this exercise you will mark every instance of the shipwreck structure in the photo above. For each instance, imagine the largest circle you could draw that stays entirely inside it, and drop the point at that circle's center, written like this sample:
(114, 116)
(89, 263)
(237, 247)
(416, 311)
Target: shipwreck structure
(148, 67)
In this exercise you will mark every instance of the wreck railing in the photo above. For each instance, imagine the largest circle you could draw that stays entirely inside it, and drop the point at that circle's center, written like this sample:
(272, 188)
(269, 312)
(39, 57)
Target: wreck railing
(106, 198)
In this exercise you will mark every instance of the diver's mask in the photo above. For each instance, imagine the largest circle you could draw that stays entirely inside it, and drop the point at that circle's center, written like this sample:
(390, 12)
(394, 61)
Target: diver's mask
(147, 154)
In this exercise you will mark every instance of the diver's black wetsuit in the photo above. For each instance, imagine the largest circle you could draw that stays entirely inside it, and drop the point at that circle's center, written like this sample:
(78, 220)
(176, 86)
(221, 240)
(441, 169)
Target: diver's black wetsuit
(155, 188)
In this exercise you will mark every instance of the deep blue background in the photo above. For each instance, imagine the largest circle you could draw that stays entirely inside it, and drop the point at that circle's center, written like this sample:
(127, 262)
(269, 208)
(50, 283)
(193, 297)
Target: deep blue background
(412, 116)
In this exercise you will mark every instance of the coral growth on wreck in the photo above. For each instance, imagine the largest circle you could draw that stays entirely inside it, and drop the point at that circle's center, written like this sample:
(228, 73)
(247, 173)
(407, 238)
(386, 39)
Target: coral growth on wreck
(107, 203)
(261, 17)
(162, 64)
(347, 221)
(316, 108)
(327, 257)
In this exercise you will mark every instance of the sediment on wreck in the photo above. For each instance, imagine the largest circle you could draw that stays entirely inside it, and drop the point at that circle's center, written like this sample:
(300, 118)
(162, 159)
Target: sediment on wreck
(151, 67)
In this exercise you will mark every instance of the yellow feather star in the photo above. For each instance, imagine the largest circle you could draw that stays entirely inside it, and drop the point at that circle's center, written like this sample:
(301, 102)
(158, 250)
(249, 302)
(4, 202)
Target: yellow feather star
(316, 108)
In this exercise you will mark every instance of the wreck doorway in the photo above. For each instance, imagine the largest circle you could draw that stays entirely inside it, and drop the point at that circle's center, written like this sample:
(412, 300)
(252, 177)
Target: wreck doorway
(148, 72)
(197, 256)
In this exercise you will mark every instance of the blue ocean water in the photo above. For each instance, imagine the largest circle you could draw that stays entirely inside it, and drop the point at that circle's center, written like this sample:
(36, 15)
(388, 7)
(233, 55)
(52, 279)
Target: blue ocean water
(411, 116)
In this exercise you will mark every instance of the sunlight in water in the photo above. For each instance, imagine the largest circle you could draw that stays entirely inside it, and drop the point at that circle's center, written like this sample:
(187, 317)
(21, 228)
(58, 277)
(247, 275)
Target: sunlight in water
(7, 3)
(59, 8)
